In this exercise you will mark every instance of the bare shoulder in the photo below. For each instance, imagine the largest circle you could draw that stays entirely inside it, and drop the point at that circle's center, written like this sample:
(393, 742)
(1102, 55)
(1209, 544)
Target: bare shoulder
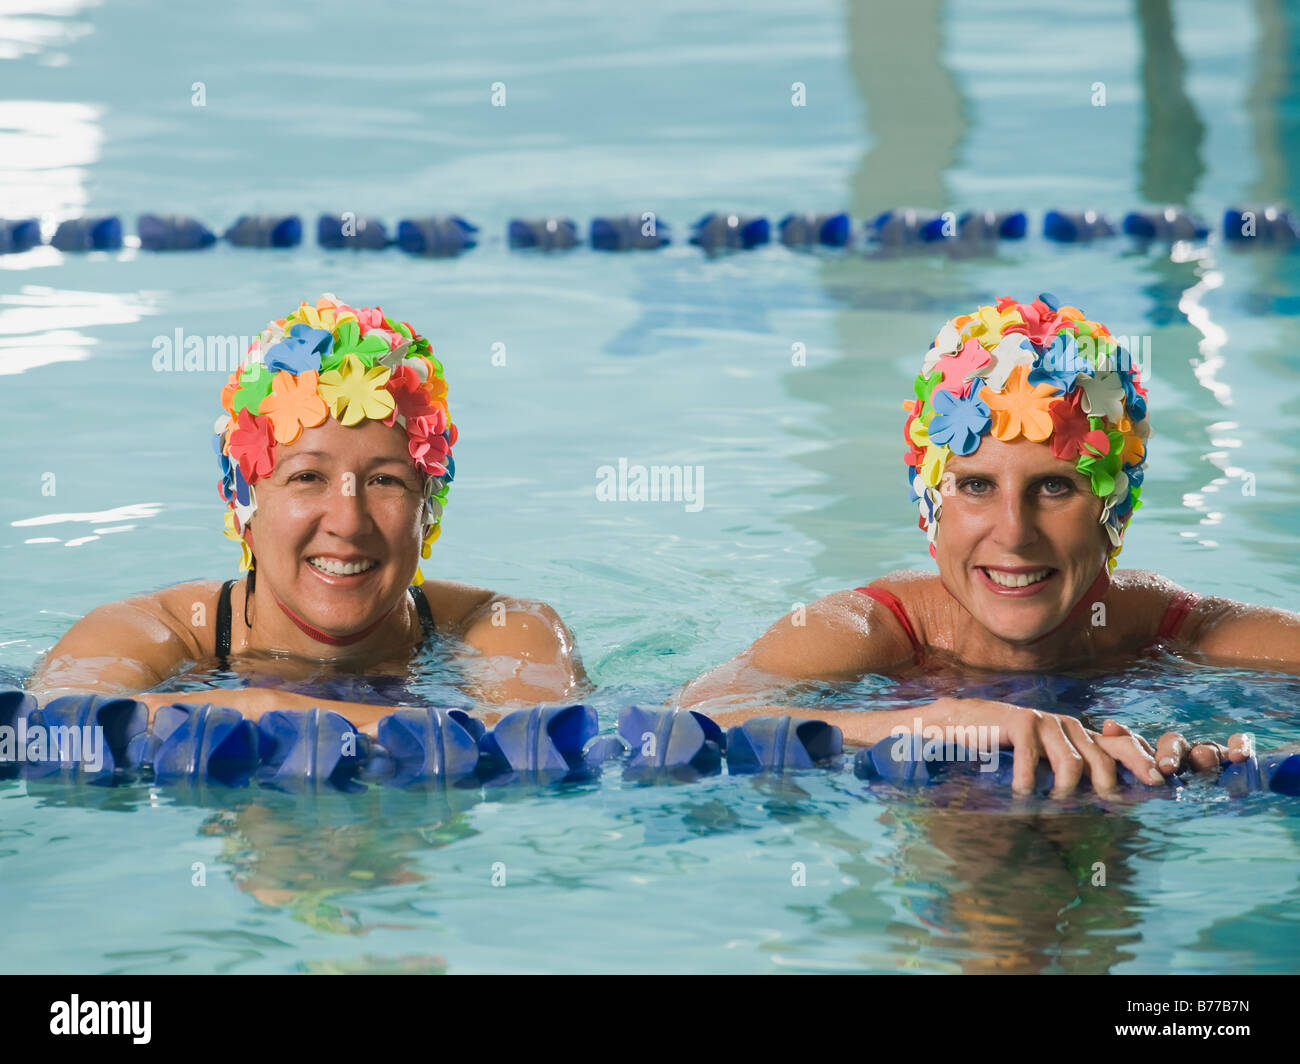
(454, 603)
(845, 633)
(1136, 603)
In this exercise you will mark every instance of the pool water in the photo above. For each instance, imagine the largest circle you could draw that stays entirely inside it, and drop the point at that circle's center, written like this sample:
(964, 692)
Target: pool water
(108, 483)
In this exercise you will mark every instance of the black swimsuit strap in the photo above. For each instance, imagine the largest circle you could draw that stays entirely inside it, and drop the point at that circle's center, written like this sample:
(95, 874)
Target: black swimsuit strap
(224, 615)
(422, 607)
(223, 623)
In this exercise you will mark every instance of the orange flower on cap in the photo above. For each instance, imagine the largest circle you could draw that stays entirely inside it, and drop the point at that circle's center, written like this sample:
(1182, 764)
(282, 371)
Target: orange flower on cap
(1022, 409)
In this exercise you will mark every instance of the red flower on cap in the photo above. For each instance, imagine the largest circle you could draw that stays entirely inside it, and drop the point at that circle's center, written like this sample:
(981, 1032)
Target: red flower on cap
(252, 445)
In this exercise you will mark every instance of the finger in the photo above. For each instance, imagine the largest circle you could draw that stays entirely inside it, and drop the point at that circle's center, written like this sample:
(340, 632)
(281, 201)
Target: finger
(1206, 756)
(1100, 764)
(1241, 747)
(1171, 753)
(1114, 727)
(1067, 762)
(1130, 752)
(1027, 752)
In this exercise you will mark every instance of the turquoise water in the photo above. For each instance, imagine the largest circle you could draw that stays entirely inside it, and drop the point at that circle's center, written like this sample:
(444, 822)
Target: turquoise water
(662, 358)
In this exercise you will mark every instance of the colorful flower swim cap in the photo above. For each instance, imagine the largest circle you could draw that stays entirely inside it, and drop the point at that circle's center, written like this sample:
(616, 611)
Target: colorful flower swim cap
(1037, 370)
(332, 360)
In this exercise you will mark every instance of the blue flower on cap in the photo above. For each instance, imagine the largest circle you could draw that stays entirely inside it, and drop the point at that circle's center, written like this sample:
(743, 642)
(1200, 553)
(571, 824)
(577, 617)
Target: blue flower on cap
(959, 421)
(301, 351)
(1060, 364)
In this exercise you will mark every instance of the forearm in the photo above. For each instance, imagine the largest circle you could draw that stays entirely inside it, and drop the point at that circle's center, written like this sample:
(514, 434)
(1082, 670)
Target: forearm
(253, 702)
(859, 727)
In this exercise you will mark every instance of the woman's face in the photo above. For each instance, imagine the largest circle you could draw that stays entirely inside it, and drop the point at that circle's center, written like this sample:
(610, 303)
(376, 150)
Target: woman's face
(340, 499)
(1015, 514)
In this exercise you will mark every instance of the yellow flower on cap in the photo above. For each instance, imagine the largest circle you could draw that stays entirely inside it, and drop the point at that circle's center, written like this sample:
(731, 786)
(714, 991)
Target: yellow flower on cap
(355, 392)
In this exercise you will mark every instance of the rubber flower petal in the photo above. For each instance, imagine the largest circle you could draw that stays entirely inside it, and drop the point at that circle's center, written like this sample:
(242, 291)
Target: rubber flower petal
(254, 386)
(960, 369)
(326, 314)
(301, 351)
(1022, 409)
(1135, 449)
(429, 450)
(1103, 396)
(1010, 352)
(959, 421)
(1072, 432)
(1103, 470)
(412, 399)
(1040, 322)
(294, 405)
(924, 386)
(948, 342)
(991, 323)
(354, 391)
(1060, 365)
(936, 457)
(252, 445)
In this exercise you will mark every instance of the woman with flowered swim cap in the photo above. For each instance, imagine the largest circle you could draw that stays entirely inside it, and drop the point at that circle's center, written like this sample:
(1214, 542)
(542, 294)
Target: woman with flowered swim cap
(1026, 447)
(335, 453)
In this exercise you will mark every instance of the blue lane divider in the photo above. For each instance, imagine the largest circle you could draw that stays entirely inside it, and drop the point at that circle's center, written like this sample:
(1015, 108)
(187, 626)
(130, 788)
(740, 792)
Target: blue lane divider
(973, 231)
(102, 740)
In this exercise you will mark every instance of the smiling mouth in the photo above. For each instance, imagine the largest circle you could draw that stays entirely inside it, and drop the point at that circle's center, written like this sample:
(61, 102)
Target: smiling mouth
(1011, 581)
(332, 567)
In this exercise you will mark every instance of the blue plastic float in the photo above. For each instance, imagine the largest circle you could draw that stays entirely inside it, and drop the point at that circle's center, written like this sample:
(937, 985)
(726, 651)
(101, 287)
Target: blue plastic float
(971, 232)
(317, 749)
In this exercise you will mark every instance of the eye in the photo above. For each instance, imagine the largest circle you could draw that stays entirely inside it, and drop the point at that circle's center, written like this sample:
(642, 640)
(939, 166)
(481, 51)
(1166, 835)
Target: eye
(1057, 486)
(974, 486)
(388, 480)
(302, 477)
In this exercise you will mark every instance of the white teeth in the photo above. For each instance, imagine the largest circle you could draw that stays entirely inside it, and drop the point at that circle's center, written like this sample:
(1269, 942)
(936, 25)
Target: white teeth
(1017, 579)
(328, 565)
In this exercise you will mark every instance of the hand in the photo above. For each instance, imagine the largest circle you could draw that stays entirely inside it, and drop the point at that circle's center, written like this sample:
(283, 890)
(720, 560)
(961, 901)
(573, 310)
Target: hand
(1073, 750)
(1175, 754)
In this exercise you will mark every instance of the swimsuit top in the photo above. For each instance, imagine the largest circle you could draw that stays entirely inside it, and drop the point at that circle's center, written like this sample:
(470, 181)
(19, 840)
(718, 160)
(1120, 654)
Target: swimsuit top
(223, 618)
(1176, 612)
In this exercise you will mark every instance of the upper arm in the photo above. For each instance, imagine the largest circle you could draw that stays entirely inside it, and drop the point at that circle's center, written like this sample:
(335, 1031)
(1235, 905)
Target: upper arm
(1221, 630)
(840, 637)
(123, 646)
(529, 653)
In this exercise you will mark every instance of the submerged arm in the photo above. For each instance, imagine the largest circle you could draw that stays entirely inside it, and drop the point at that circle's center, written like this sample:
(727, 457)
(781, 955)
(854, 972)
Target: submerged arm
(526, 654)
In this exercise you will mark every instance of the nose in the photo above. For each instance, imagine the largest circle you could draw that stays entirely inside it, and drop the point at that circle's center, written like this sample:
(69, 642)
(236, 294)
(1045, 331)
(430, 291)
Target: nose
(1017, 523)
(346, 514)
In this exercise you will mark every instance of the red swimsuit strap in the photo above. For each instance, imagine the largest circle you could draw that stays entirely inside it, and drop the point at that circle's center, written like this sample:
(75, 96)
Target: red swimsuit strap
(1176, 612)
(888, 598)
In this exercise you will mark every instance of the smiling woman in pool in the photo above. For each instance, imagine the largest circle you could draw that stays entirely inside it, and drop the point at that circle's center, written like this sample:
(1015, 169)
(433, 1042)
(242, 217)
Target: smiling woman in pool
(335, 453)
(1027, 434)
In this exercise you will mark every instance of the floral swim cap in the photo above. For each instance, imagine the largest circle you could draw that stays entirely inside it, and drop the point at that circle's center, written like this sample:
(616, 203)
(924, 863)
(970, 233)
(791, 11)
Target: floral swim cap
(1037, 370)
(332, 360)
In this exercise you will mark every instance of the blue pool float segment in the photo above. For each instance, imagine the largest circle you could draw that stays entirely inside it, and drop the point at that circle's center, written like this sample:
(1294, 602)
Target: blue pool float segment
(1166, 225)
(780, 744)
(717, 231)
(189, 744)
(631, 232)
(265, 231)
(310, 748)
(350, 231)
(173, 232)
(420, 746)
(988, 226)
(802, 230)
(679, 742)
(1266, 226)
(1076, 227)
(88, 234)
(544, 234)
(72, 727)
(16, 708)
(901, 761)
(19, 234)
(1277, 771)
(904, 226)
(441, 235)
(546, 740)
